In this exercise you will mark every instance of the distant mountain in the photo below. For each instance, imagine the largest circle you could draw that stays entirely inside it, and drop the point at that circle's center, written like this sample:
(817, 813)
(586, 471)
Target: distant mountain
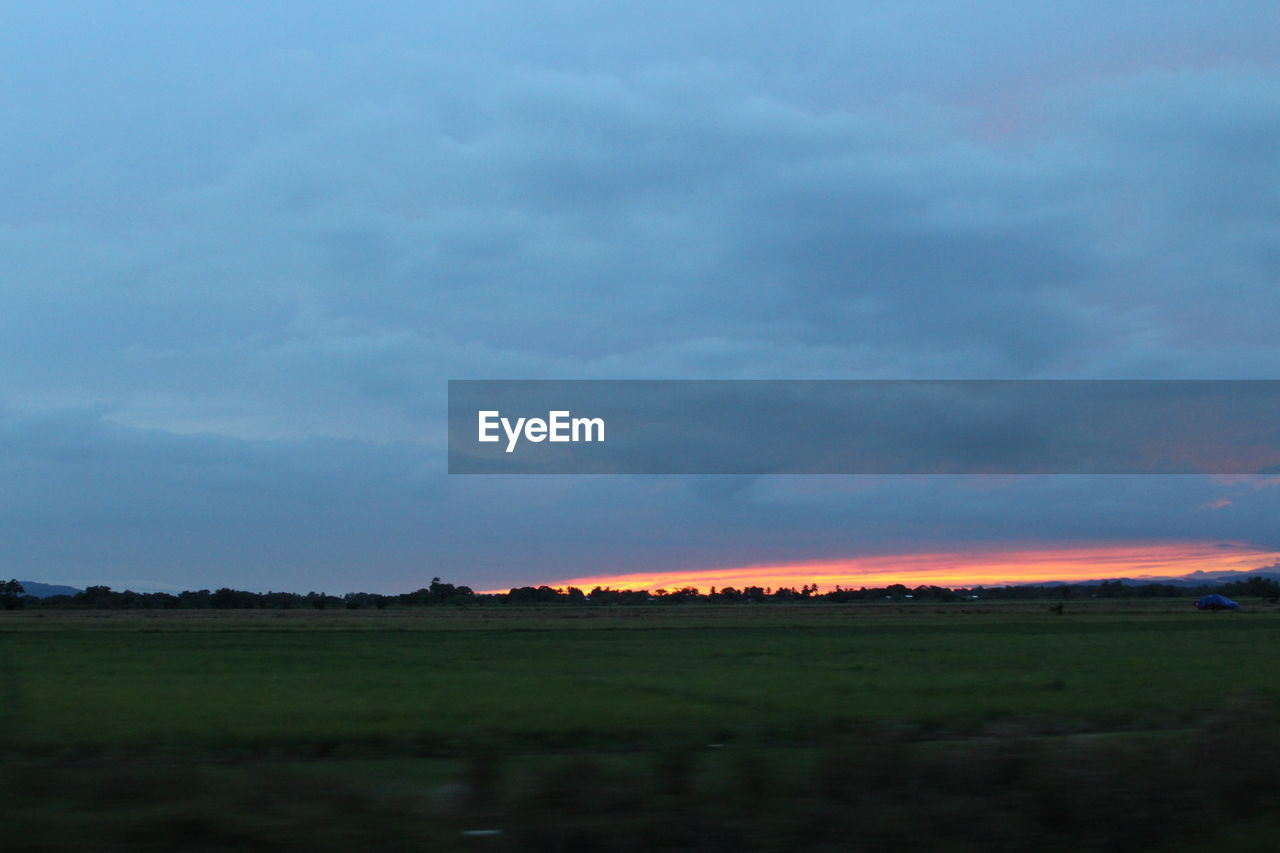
(44, 590)
(1212, 578)
(1192, 579)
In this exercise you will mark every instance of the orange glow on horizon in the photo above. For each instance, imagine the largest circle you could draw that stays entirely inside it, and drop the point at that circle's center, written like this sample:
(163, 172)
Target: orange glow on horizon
(991, 567)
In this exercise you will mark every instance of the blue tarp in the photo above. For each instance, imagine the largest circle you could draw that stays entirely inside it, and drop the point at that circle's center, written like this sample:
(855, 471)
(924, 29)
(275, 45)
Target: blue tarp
(1216, 602)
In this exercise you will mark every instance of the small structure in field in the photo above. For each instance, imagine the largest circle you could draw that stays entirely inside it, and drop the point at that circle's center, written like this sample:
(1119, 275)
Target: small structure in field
(1213, 601)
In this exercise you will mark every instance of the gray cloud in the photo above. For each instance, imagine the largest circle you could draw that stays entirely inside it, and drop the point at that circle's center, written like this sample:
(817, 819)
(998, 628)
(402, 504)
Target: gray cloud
(246, 248)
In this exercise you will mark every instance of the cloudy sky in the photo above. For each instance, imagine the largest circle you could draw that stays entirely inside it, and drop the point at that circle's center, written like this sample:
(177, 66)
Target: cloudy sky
(245, 247)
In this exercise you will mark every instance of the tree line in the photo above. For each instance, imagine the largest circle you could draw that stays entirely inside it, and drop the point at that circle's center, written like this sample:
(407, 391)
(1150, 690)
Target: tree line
(439, 593)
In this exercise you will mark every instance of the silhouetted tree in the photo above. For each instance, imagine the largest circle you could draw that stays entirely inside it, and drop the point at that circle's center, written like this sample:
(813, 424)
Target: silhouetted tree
(11, 595)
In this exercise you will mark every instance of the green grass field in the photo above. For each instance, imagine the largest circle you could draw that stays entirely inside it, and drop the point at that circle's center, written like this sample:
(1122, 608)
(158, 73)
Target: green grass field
(280, 679)
(491, 703)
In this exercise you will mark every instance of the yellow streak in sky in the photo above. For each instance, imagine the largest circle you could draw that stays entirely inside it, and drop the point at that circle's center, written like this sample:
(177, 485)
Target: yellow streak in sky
(962, 568)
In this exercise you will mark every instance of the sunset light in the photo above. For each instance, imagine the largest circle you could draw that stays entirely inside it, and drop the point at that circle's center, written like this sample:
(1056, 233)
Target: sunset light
(979, 567)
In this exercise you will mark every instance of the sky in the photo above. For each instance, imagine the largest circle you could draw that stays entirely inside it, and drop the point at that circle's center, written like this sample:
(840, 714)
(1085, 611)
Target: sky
(246, 247)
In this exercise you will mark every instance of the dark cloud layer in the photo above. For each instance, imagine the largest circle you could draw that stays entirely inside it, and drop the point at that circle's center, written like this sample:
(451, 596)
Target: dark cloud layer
(245, 248)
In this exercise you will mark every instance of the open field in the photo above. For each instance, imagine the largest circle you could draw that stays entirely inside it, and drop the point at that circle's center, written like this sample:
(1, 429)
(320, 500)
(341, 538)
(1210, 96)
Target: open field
(437, 676)
(458, 716)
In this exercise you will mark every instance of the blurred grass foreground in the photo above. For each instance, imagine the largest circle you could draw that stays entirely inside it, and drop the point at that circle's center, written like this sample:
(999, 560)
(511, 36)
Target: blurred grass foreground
(1107, 726)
